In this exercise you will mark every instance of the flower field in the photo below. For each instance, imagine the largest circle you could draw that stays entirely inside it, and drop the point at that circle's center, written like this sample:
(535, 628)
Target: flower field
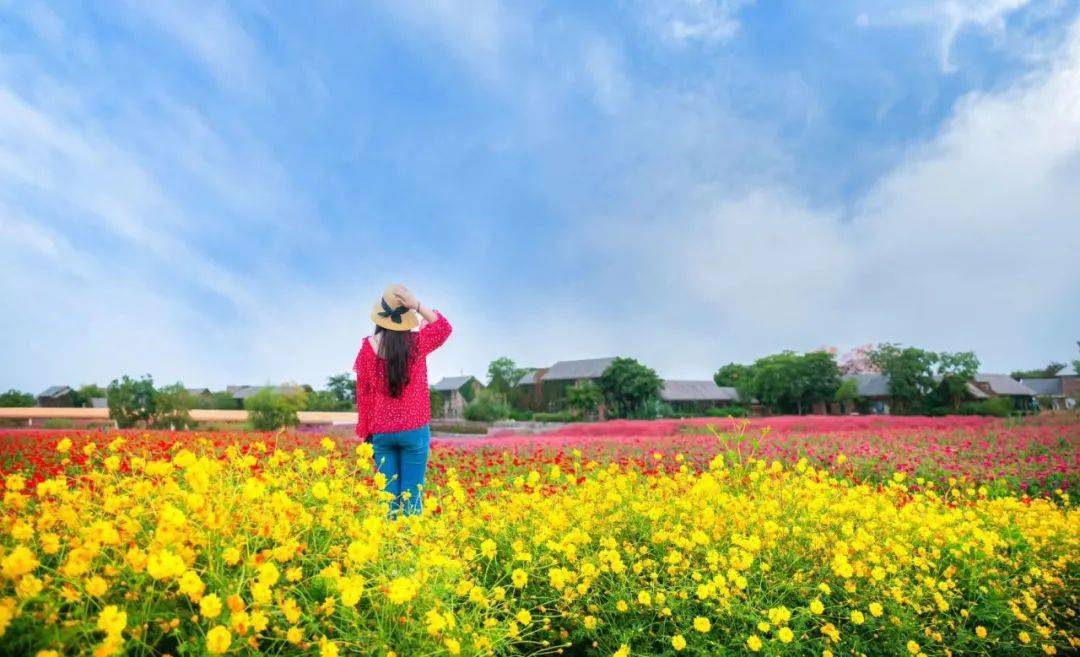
(794, 536)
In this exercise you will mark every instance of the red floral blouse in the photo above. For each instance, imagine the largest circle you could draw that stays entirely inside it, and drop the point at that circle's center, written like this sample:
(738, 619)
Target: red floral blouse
(379, 412)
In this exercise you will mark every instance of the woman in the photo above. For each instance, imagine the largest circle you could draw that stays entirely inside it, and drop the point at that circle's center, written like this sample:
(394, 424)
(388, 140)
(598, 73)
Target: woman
(392, 398)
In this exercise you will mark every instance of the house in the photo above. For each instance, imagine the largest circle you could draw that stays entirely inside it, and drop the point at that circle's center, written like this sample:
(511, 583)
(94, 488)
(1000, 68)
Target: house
(696, 396)
(456, 392)
(99, 402)
(551, 385)
(241, 393)
(1057, 393)
(198, 392)
(872, 394)
(56, 396)
(1003, 385)
(526, 391)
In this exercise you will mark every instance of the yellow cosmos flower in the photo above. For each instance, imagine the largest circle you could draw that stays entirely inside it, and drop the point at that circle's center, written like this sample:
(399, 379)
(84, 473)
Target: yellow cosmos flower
(913, 647)
(857, 617)
(702, 624)
(980, 632)
(210, 606)
(623, 651)
(401, 590)
(816, 606)
(96, 586)
(327, 648)
(678, 642)
(165, 564)
(753, 642)
(18, 562)
(524, 617)
(295, 635)
(785, 635)
(218, 640)
(876, 610)
(111, 620)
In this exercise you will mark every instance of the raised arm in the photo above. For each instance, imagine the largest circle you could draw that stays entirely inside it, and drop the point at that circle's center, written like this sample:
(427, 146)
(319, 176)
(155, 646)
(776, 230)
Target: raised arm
(437, 329)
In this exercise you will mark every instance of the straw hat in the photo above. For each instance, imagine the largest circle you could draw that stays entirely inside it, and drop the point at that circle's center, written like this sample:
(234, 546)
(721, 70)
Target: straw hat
(390, 314)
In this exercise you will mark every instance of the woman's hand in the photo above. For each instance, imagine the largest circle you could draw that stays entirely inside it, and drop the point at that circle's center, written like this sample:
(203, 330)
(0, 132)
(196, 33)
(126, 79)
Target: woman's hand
(405, 297)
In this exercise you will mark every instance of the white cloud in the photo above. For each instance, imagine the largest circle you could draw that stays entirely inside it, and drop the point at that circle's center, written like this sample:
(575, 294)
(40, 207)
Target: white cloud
(970, 243)
(211, 34)
(949, 18)
(685, 21)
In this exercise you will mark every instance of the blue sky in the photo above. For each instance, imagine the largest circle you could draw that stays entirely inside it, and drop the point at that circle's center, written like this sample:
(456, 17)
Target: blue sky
(216, 192)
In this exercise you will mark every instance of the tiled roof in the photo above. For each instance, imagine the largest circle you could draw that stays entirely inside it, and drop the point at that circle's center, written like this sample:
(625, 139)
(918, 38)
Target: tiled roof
(570, 370)
(448, 383)
(1003, 384)
(55, 391)
(1044, 387)
(674, 390)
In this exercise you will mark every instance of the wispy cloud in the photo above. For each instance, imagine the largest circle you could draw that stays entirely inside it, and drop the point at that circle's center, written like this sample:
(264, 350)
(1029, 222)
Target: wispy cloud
(950, 19)
(688, 21)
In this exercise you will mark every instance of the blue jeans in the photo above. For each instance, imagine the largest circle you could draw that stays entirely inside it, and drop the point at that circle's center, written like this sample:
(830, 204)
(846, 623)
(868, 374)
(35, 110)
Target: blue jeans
(402, 458)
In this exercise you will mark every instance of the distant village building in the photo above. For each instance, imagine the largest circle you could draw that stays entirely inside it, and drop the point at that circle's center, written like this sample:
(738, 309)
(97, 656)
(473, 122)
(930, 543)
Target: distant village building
(526, 393)
(198, 392)
(874, 394)
(56, 396)
(696, 396)
(456, 392)
(550, 385)
(240, 393)
(1003, 385)
(99, 402)
(1057, 393)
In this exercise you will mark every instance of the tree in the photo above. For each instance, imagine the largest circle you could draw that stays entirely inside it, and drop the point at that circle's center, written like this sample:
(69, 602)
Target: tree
(172, 407)
(629, 387)
(777, 380)
(847, 392)
(819, 378)
(488, 406)
(733, 375)
(503, 375)
(132, 401)
(437, 409)
(87, 392)
(16, 398)
(343, 387)
(323, 400)
(910, 371)
(1052, 369)
(857, 361)
(268, 409)
(584, 397)
(956, 371)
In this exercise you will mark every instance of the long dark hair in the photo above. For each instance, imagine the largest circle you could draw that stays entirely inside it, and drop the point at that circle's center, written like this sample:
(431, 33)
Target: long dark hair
(395, 347)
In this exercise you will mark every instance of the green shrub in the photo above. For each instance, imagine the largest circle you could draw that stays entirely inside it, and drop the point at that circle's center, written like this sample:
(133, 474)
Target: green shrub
(461, 428)
(327, 400)
(488, 406)
(132, 401)
(562, 416)
(268, 409)
(173, 406)
(438, 409)
(996, 407)
(520, 415)
(726, 411)
(16, 398)
(58, 423)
